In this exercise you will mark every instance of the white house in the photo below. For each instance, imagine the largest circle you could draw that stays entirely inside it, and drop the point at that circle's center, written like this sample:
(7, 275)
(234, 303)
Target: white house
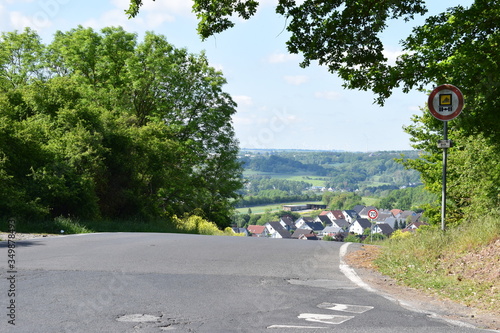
(301, 221)
(276, 230)
(330, 231)
(350, 215)
(382, 228)
(358, 226)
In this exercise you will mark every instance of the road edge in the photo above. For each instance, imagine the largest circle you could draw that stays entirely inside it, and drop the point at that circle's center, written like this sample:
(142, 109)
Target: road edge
(354, 277)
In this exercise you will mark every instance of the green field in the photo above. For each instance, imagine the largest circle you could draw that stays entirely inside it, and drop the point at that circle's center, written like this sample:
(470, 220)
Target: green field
(308, 178)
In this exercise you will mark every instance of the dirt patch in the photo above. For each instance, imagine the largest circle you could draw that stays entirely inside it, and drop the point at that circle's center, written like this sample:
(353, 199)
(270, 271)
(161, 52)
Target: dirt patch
(479, 265)
(23, 236)
(425, 300)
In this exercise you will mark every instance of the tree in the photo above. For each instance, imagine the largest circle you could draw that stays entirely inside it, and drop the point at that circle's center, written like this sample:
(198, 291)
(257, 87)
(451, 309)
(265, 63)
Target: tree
(96, 125)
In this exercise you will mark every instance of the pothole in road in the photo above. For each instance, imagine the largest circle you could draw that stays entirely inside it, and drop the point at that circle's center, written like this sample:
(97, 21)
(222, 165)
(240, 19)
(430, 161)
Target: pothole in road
(138, 318)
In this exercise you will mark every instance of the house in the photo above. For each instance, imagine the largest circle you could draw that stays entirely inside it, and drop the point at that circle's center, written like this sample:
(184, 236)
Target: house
(393, 222)
(333, 214)
(312, 226)
(276, 230)
(409, 216)
(359, 226)
(414, 226)
(350, 215)
(323, 219)
(301, 221)
(243, 231)
(308, 237)
(330, 231)
(304, 234)
(382, 228)
(341, 223)
(258, 230)
(364, 212)
(287, 222)
(358, 208)
(282, 234)
(337, 215)
(396, 212)
(383, 215)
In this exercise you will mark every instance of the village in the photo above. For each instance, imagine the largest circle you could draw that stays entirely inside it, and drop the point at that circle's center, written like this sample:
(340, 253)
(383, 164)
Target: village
(337, 224)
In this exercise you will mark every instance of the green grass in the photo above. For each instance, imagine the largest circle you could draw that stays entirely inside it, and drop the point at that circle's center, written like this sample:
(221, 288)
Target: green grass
(369, 201)
(440, 262)
(308, 178)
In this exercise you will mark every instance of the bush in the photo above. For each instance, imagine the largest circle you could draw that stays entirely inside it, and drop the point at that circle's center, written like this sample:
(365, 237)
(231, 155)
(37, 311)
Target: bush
(328, 238)
(399, 234)
(197, 225)
(353, 239)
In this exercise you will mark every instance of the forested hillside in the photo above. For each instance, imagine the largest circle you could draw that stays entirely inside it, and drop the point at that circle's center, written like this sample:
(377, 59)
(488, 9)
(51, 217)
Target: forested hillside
(97, 125)
(278, 176)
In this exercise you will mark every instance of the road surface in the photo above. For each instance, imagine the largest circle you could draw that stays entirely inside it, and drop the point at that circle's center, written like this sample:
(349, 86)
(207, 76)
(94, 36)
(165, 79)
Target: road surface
(145, 282)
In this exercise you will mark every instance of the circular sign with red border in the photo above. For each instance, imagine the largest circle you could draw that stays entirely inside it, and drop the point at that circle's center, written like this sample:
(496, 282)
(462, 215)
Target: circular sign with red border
(446, 102)
(372, 214)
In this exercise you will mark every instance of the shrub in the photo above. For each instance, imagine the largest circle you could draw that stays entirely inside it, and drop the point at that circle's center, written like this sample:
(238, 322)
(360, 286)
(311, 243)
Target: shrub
(353, 239)
(399, 234)
(328, 238)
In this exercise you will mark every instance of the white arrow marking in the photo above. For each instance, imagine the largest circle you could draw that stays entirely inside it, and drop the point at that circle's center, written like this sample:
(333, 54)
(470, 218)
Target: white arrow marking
(345, 307)
(325, 319)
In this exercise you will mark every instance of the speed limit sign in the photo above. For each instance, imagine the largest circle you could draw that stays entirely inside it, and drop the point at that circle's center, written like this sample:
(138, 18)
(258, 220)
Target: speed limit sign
(373, 214)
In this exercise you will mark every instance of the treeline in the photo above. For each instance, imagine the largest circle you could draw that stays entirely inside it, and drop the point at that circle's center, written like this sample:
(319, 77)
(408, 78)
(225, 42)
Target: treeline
(279, 164)
(408, 198)
(97, 125)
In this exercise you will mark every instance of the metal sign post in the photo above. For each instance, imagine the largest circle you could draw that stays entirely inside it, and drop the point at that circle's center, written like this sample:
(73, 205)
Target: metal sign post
(445, 103)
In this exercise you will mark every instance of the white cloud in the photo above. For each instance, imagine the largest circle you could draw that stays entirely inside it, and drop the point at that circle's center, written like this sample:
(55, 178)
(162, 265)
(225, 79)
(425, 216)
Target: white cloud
(392, 55)
(330, 95)
(296, 80)
(19, 21)
(243, 100)
(277, 58)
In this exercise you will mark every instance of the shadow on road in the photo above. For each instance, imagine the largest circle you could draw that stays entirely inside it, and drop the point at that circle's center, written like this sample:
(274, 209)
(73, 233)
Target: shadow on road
(23, 243)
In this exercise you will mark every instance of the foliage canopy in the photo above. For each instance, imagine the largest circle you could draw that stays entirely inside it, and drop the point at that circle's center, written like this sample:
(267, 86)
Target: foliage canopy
(99, 125)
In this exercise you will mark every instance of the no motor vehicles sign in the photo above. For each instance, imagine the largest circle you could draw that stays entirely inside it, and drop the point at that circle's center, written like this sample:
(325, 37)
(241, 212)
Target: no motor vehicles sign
(446, 102)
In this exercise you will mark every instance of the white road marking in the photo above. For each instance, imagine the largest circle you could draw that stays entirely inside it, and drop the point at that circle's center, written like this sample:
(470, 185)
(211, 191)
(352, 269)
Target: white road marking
(349, 272)
(297, 326)
(325, 319)
(345, 307)
(138, 318)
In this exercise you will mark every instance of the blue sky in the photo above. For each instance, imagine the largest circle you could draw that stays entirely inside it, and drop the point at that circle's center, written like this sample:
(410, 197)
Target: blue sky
(280, 105)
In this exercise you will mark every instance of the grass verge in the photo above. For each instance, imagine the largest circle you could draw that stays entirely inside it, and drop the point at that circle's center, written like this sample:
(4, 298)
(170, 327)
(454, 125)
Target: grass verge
(461, 264)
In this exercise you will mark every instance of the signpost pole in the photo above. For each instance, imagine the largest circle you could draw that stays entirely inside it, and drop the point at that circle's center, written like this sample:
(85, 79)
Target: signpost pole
(445, 103)
(445, 161)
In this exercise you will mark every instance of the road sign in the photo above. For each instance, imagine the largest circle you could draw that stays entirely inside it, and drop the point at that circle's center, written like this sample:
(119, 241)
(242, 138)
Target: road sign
(446, 102)
(373, 214)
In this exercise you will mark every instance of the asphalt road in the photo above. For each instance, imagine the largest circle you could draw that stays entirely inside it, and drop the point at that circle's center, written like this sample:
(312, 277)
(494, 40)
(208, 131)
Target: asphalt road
(139, 282)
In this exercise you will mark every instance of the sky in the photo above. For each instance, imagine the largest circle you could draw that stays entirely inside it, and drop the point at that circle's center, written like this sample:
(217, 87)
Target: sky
(280, 105)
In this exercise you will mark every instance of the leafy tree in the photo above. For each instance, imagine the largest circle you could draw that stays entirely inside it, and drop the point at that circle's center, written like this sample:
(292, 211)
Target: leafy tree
(344, 200)
(96, 125)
